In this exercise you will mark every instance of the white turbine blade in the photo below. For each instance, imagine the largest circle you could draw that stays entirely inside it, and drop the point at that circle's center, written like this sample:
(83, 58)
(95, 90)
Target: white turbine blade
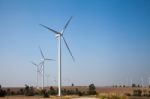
(68, 48)
(50, 29)
(34, 63)
(41, 53)
(49, 59)
(66, 25)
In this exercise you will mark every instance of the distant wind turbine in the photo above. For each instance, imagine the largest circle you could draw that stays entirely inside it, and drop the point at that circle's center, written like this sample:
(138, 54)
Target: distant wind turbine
(43, 63)
(38, 71)
(149, 81)
(59, 36)
(142, 82)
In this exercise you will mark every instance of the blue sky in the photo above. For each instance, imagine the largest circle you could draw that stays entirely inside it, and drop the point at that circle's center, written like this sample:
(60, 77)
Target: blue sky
(110, 40)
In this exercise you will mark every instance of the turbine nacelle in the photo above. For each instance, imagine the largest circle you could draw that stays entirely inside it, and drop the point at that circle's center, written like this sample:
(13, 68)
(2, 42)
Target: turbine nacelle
(58, 35)
(42, 59)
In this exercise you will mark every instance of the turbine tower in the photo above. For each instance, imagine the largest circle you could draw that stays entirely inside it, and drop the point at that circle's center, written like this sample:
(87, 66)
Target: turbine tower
(149, 81)
(59, 36)
(43, 63)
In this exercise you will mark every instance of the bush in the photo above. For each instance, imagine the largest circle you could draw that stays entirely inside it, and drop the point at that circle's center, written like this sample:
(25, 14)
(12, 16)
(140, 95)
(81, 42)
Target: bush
(52, 91)
(29, 90)
(133, 85)
(137, 92)
(45, 93)
(80, 93)
(3, 93)
(127, 94)
(91, 90)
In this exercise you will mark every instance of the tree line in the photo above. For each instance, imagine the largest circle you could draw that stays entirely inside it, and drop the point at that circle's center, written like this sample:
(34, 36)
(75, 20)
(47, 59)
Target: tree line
(31, 91)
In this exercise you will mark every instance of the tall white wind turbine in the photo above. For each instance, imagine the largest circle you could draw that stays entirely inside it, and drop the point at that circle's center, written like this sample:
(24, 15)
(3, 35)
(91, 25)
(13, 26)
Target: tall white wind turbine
(60, 36)
(43, 63)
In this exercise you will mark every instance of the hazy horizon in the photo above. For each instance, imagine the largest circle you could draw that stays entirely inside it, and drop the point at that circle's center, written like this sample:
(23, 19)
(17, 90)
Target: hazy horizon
(110, 40)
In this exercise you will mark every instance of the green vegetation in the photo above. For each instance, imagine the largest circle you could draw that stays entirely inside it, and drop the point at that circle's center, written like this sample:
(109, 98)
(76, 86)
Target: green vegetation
(31, 91)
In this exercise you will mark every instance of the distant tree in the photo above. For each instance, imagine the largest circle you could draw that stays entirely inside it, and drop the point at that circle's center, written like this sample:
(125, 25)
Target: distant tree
(80, 93)
(2, 92)
(8, 92)
(12, 93)
(137, 92)
(92, 89)
(124, 86)
(133, 85)
(72, 84)
(29, 90)
(45, 93)
(77, 91)
(21, 91)
(52, 91)
(116, 86)
(64, 91)
(138, 86)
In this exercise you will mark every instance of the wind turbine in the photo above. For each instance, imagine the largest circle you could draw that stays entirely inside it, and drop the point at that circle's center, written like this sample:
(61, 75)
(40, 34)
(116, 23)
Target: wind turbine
(43, 63)
(149, 81)
(59, 36)
(38, 71)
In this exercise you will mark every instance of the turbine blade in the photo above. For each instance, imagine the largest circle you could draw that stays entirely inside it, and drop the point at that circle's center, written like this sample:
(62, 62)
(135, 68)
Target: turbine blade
(68, 48)
(49, 59)
(34, 63)
(66, 25)
(50, 29)
(41, 53)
